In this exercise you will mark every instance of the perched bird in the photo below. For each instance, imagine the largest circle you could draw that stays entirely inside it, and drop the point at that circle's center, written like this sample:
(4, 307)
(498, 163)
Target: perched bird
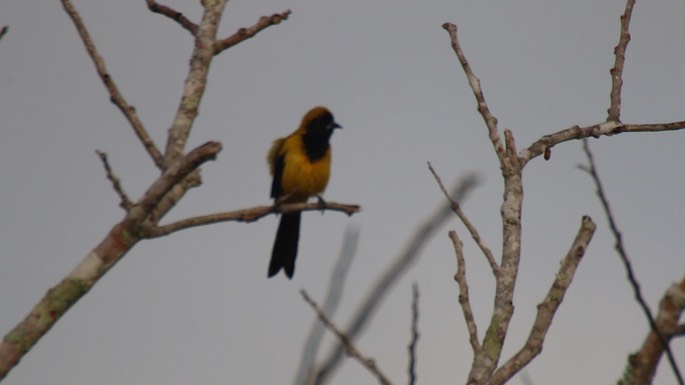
(300, 164)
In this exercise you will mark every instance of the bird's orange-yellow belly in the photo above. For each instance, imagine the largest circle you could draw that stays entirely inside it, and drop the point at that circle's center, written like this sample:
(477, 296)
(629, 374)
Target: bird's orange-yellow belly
(302, 179)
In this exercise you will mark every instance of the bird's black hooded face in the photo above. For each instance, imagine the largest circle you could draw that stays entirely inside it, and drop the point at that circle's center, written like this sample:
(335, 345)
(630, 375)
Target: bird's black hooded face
(319, 125)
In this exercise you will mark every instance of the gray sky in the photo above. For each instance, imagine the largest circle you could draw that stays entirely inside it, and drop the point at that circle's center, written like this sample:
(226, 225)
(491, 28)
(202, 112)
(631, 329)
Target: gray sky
(196, 307)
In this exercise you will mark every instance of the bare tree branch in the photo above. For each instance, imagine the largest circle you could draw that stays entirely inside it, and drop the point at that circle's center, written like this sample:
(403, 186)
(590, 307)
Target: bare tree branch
(174, 174)
(485, 361)
(474, 82)
(642, 364)
(121, 238)
(125, 203)
(173, 15)
(549, 305)
(115, 96)
(454, 205)
(617, 71)
(350, 349)
(464, 300)
(596, 130)
(414, 333)
(245, 33)
(395, 270)
(623, 254)
(305, 373)
(196, 81)
(246, 215)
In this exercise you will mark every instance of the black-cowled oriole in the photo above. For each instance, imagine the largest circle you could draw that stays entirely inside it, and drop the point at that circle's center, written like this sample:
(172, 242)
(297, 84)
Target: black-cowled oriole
(300, 164)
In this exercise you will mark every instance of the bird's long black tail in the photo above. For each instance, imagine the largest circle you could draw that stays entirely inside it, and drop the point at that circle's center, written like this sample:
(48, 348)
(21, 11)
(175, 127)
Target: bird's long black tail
(285, 246)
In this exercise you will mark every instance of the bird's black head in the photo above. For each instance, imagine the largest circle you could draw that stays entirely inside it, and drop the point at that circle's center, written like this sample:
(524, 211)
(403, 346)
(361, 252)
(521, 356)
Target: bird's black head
(318, 125)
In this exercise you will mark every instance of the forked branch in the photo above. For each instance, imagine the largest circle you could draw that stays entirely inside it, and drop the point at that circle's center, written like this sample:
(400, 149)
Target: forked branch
(548, 307)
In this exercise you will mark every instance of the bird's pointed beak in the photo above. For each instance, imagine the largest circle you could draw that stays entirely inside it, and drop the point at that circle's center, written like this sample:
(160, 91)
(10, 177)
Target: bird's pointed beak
(335, 125)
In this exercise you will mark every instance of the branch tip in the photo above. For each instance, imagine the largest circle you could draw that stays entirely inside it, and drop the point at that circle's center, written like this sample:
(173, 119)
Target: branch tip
(125, 203)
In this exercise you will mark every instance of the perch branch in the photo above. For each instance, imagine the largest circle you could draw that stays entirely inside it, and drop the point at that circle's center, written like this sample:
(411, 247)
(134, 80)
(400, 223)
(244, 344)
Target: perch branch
(350, 349)
(245, 33)
(456, 208)
(173, 15)
(125, 203)
(548, 307)
(246, 215)
(115, 96)
(464, 300)
(623, 254)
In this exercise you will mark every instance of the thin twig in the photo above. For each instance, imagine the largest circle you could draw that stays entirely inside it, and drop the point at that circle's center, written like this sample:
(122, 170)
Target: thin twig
(125, 203)
(306, 372)
(490, 120)
(246, 215)
(548, 307)
(456, 208)
(173, 15)
(623, 254)
(115, 96)
(464, 300)
(414, 333)
(617, 70)
(350, 349)
(245, 33)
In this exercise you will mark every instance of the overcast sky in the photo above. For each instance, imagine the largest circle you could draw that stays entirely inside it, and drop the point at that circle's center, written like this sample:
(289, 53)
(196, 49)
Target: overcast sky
(197, 307)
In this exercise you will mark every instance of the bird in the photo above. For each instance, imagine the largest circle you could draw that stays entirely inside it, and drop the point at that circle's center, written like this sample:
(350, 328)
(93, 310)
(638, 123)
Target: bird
(300, 165)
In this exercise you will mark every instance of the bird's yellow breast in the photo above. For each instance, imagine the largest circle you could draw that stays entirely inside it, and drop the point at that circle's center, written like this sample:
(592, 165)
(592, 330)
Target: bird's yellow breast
(302, 178)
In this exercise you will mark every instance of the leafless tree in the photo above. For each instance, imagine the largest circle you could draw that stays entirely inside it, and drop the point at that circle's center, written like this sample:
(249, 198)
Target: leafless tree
(179, 172)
